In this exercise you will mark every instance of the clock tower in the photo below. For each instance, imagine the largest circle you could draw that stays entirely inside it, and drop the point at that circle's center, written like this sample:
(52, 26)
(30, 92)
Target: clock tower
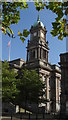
(37, 48)
(37, 56)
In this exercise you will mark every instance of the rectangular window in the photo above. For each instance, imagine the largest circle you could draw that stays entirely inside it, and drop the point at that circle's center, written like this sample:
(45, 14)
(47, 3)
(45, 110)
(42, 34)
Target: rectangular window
(44, 54)
(32, 54)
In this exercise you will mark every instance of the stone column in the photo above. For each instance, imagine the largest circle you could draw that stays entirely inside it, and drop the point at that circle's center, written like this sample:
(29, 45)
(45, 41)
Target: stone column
(39, 52)
(57, 95)
(35, 53)
(47, 56)
(48, 96)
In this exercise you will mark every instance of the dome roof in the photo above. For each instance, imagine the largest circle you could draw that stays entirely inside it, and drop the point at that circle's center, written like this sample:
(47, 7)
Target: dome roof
(38, 21)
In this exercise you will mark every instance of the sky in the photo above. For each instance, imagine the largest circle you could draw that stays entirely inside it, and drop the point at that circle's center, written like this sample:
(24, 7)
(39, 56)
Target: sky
(28, 18)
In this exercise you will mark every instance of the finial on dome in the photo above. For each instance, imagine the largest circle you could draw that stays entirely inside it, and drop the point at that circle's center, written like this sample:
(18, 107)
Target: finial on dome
(38, 19)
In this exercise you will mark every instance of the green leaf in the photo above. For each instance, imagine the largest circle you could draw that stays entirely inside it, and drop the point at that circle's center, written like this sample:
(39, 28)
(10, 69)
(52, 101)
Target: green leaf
(66, 11)
(57, 19)
(25, 33)
(39, 6)
(53, 32)
(55, 24)
(25, 4)
(22, 39)
(64, 34)
(8, 34)
(19, 33)
(60, 36)
(11, 32)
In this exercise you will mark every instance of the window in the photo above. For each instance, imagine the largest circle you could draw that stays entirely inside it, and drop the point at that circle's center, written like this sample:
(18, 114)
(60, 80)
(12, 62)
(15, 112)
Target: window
(33, 54)
(44, 54)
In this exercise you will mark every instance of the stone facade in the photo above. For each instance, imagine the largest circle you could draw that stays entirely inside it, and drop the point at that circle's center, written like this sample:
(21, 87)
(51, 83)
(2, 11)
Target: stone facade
(17, 64)
(37, 58)
(64, 82)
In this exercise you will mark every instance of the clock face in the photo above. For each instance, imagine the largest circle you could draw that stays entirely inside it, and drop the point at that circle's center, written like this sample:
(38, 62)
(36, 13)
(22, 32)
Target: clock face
(35, 34)
(42, 34)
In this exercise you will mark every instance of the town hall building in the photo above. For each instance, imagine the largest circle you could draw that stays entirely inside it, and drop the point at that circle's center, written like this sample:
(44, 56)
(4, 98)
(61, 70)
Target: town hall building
(38, 59)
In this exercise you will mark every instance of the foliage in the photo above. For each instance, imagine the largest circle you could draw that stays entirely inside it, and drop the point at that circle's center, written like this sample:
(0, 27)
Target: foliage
(24, 35)
(11, 15)
(9, 83)
(39, 6)
(60, 25)
(30, 86)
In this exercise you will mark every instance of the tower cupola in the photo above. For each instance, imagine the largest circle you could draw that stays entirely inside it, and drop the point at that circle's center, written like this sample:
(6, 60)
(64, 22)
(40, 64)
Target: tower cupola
(38, 22)
(38, 30)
